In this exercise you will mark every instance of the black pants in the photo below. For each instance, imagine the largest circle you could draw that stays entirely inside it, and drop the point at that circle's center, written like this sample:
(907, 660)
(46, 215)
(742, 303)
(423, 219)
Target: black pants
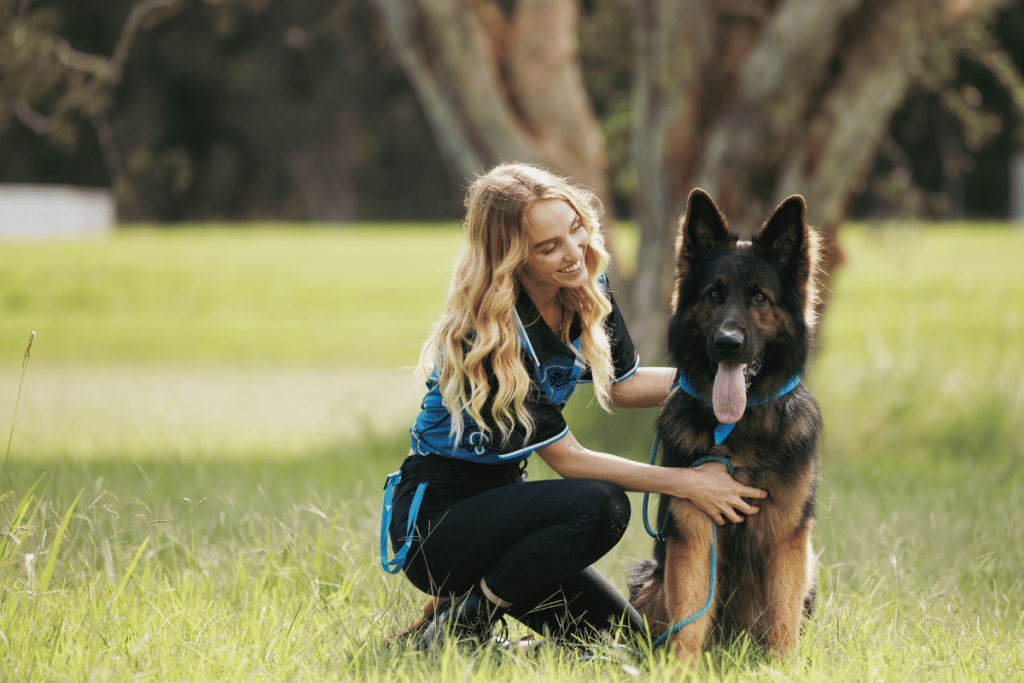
(533, 542)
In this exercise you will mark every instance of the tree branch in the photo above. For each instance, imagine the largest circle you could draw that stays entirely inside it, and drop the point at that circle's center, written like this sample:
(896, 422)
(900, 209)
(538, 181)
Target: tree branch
(104, 72)
(33, 120)
(151, 11)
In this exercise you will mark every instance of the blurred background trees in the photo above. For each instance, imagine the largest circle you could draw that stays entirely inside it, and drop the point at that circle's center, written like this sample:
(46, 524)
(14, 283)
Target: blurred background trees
(339, 110)
(236, 110)
(240, 109)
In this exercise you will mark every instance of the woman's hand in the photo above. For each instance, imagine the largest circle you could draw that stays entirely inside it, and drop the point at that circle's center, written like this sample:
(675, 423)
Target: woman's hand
(714, 491)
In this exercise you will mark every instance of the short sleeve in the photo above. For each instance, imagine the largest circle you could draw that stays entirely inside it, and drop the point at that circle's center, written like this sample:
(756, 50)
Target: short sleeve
(625, 358)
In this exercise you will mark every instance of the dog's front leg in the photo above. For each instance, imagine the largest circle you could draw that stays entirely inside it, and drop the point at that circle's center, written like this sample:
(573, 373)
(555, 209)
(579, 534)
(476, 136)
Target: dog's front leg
(687, 561)
(789, 579)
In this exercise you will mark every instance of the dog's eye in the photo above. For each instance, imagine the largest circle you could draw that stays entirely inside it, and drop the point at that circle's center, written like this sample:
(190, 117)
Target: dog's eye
(760, 297)
(713, 295)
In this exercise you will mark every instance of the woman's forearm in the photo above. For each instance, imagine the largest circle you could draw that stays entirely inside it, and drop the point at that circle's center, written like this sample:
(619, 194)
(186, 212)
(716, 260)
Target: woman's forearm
(573, 461)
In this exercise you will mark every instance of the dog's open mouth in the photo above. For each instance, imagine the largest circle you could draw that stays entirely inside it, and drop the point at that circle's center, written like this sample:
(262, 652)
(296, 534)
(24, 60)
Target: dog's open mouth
(729, 398)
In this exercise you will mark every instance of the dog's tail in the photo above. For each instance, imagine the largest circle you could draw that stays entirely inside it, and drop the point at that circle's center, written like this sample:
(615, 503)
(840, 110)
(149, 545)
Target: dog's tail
(647, 595)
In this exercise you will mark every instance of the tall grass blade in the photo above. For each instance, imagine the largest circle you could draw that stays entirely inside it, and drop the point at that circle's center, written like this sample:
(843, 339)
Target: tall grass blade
(128, 574)
(44, 580)
(19, 514)
(14, 418)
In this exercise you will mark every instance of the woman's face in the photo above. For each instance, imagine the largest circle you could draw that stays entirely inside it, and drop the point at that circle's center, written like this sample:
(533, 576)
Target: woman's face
(557, 245)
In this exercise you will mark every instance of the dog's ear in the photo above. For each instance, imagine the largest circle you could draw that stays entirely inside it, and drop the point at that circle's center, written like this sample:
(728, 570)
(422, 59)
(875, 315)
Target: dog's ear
(784, 236)
(787, 237)
(701, 229)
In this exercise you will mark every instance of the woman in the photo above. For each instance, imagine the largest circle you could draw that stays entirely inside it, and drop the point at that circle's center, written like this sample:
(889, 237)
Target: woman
(529, 315)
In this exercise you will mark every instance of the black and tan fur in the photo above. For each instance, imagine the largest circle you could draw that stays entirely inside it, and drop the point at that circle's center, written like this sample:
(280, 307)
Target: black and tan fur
(765, 579)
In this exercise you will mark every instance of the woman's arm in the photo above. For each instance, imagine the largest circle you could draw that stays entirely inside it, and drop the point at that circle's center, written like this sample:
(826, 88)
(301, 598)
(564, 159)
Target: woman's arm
(709, 486)
(645, 388)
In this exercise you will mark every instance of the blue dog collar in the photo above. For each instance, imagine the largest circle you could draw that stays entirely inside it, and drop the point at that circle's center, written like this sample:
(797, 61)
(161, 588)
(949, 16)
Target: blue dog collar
(725, 429)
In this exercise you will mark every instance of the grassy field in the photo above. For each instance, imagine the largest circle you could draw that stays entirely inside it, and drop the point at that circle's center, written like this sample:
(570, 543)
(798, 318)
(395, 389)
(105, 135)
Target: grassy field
(192, 490)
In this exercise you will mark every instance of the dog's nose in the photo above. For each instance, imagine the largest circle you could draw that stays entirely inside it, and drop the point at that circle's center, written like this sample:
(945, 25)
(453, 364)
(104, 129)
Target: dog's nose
(729, 340)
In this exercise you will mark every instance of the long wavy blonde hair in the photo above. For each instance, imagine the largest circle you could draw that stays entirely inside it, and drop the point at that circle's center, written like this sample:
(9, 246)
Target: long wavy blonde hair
(479, 320)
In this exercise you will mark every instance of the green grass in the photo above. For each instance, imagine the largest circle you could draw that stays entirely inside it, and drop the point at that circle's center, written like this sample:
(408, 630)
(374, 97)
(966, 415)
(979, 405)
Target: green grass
(250, 551)
(359, 295)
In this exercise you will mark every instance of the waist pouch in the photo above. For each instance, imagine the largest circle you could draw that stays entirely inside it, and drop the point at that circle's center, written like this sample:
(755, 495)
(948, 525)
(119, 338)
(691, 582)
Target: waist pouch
(453, 480)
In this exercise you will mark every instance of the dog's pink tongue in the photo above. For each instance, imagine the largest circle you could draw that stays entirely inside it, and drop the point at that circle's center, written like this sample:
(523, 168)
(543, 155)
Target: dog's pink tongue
(730, 394)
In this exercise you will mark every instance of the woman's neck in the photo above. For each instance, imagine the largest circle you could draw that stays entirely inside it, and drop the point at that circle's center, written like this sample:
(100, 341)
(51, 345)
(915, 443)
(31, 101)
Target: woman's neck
(547, 304)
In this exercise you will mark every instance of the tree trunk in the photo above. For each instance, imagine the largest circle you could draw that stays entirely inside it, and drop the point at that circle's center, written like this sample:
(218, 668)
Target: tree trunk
(499, 86)
(755, 101)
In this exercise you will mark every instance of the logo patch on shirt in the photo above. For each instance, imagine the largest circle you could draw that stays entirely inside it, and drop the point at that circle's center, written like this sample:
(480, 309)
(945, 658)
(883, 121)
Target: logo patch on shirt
(558, 380)
(476, 441)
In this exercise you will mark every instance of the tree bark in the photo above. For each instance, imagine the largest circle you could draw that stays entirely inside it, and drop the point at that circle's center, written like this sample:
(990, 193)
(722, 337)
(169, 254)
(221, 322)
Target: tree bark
(755, 101)
(499, 86)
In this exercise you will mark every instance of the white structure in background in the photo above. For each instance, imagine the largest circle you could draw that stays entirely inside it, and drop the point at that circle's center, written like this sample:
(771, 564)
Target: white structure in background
(1017, 187)
(54, 211)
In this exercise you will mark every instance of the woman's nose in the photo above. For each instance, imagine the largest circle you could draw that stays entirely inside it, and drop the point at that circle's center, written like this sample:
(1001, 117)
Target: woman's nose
(578, 246)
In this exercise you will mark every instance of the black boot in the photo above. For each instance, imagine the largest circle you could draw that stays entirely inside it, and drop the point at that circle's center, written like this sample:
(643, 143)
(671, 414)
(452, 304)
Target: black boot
(468, 620)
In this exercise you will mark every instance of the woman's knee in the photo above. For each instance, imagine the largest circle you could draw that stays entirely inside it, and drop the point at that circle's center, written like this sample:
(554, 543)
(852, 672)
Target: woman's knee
(609, 509)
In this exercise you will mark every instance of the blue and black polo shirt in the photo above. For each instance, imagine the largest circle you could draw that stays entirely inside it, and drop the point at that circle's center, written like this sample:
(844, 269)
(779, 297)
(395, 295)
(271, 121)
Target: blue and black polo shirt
(555, 371)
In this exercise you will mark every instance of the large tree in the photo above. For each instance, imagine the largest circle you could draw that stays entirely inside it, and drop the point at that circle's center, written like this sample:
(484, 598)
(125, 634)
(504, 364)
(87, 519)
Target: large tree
(752, 100)
(500, 86)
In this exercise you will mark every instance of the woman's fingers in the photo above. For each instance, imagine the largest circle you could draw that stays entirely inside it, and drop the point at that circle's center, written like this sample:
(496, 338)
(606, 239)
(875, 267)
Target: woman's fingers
(750, 492)
(747, 508)
(733, 516)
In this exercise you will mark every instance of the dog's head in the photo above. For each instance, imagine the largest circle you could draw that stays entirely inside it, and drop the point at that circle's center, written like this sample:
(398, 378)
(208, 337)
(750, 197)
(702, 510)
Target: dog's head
(743, 312)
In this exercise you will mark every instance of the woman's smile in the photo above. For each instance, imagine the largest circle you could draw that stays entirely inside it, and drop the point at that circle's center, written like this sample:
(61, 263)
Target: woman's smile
(573, 268)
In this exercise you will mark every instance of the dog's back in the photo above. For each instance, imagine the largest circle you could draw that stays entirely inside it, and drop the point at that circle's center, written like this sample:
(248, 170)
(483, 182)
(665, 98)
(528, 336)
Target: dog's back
(740, 335)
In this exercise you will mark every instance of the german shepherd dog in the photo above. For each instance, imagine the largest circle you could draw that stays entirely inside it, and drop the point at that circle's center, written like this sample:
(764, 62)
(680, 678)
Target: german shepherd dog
(743, 315)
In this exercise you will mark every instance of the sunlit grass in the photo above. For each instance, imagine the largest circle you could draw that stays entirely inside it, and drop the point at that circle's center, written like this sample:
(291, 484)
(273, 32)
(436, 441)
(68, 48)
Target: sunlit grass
(355, 296)
(270, 571)
(177, 564)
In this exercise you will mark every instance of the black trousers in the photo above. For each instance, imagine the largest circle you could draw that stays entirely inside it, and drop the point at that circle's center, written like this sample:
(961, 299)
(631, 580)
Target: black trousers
(533, 542)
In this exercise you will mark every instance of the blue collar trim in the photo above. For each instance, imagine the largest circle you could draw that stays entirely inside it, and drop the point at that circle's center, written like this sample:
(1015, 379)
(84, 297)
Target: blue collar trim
(725, 429)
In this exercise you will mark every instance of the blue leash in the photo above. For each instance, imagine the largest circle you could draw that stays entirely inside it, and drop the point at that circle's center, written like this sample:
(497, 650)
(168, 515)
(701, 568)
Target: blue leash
(660, 535)
(721, 432)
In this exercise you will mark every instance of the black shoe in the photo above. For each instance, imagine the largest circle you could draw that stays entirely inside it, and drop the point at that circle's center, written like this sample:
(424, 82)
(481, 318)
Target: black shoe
(468, 620)
(433, 608)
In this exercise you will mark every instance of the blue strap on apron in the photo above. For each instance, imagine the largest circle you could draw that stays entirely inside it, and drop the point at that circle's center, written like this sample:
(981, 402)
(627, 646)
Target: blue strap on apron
(395, 565)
